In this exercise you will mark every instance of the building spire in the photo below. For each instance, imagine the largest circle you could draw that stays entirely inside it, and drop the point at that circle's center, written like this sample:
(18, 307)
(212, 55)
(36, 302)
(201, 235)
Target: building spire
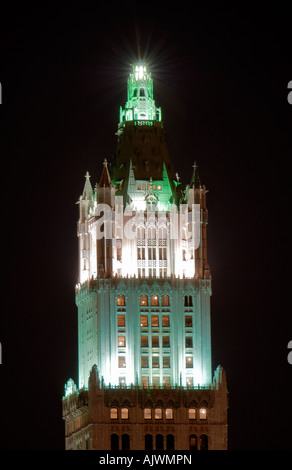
(105, 180)
(195, 181)
(87, 191)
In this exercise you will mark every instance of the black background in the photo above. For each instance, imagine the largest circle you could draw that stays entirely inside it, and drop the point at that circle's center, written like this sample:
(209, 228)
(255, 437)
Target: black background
(220, 75)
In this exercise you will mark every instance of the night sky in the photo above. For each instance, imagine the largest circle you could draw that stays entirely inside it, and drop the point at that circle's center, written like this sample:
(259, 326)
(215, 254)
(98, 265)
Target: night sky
(220, 76)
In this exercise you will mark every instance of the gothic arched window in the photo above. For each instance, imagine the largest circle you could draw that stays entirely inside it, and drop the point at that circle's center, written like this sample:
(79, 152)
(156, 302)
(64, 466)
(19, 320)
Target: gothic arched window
(154, 300)
(121, 300)
(144, 300)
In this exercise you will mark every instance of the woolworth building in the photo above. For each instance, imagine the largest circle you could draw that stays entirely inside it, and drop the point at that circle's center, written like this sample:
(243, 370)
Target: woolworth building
(145, 377)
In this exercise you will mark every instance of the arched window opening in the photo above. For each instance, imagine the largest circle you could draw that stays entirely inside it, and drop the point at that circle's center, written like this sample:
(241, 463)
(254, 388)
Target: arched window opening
(148, 442)
(158, 413)
(203, 442)
(114, 442)
(121, 300)
(124, 413)
(193, 442)
(186, 301)
(141, 231)
(190, 301)
(144, 300)
(114, 413)
(192, 413)
(203, 413)
(159, 442)
(154, 300)
(165, 301)
(125, 442)
(170, 442)
(169, 413)
(147, 413)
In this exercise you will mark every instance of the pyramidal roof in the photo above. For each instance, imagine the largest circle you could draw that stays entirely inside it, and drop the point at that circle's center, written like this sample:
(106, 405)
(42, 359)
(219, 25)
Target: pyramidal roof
(105, 179)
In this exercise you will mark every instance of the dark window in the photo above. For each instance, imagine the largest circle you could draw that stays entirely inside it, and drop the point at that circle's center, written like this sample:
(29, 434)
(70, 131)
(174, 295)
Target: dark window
(114, 442)
(170, 442)
(189, 342)
(148, 442)
(159, 442)
(193, 442)
(188, 321)
(203, 442)
(125, 442)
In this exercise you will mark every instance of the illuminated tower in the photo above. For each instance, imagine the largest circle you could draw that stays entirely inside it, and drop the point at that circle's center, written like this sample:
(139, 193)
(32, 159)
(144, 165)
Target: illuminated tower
(143, 298)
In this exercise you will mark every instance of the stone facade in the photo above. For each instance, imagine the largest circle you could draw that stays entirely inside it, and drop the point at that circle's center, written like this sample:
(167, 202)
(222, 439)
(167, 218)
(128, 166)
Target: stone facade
(118, 418)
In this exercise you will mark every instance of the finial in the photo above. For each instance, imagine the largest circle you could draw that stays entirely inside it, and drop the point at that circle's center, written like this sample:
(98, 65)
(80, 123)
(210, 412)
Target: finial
(105, 162)
(87, 176)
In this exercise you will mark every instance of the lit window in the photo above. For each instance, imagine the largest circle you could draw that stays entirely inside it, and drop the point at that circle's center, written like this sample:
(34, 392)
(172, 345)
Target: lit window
(124, 413)
(166, 382)
(141, 229)
(154, 300)
(155, 341)
(159, 187)
(165, 340)
(122, 361)
(155, 382)
(121, 300)
(122, 381)
(144, 341)
(166, 361)
(158, 413)
(189, 381)
(155, 361)
(165, 300)
(165, 320)
(145, 382)
(203, 413)
(189, 361)
(188, 321)
(144, 300)
(144, 320)
(121, 320)
(169, 413)
(154, 320)
(121, 341)
(147, 413)
(144, 361)
(192, 413)
(114, 413)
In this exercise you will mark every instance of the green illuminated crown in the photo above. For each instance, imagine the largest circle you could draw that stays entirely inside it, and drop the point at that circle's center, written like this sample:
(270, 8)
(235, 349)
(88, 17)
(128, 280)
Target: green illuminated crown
(140, 104)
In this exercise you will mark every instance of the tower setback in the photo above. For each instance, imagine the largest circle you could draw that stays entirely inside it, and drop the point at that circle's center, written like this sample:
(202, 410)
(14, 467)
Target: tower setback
(143, 297)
